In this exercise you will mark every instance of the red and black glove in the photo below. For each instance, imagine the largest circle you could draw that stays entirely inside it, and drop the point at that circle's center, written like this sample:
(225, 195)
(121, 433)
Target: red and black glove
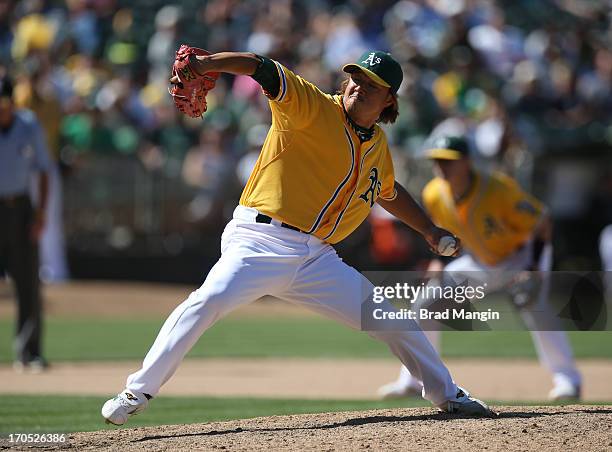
(190, 88)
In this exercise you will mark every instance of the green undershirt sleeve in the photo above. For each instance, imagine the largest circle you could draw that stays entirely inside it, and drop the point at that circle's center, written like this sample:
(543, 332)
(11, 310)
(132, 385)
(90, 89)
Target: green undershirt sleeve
(266, 75)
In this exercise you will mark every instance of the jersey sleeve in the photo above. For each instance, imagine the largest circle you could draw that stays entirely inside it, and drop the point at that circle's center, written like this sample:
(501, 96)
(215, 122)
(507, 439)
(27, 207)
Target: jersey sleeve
(297, 102)
(430, 197)
(521, 211)
(388, 191)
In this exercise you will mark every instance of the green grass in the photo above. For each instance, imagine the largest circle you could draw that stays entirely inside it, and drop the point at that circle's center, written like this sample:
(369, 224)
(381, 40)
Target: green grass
(106, 339)
(52, 413)
(518, 344)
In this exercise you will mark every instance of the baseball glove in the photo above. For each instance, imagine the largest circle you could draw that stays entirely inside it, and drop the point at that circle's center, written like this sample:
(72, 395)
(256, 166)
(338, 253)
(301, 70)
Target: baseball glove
(190, 88)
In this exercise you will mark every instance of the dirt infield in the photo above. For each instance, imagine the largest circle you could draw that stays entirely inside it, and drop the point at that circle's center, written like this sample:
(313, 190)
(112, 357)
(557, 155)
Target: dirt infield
(565, 428)
(305, 378)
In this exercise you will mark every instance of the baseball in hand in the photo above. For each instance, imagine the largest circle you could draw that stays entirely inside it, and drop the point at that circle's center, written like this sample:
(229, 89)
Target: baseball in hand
(447, 246)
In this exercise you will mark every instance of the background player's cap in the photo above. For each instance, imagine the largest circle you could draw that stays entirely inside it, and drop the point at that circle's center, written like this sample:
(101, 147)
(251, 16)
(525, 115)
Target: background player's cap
(380, 67)
(448, 148)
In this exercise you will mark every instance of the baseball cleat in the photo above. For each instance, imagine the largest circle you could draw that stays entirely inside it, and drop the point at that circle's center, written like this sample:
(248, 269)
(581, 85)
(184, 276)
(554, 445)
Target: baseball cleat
(464, 404)
(565, 392)
(127, 403)
(400, 390)
(35, 365)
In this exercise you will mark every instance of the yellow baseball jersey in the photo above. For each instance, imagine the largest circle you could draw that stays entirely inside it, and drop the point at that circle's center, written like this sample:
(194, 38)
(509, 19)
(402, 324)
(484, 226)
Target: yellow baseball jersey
(492, 221)
(312, 172)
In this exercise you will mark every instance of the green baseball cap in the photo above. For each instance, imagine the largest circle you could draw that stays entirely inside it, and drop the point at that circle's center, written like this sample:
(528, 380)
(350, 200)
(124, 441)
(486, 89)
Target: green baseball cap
(380, 67)
(448, 148)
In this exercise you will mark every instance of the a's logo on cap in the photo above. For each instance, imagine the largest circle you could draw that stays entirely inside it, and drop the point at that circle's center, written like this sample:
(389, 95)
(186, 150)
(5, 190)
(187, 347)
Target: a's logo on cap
(370, 60)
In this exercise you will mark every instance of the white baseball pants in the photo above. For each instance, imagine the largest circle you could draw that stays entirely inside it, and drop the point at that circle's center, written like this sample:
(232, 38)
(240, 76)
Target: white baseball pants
(552, 347)
(267, 259)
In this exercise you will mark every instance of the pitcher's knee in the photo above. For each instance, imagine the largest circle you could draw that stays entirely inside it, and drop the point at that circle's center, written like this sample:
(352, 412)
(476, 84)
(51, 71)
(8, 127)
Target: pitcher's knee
(206, 300)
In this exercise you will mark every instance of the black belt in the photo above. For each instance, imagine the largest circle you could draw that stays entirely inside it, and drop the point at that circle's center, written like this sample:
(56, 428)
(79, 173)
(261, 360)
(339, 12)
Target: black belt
(261, 218)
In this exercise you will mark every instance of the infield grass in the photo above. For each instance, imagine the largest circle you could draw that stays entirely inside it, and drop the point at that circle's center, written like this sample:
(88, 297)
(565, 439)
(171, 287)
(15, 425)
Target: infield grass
(52, 413)
(312, 337)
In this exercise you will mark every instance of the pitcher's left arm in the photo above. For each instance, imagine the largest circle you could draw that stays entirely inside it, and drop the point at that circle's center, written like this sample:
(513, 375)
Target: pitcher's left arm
(406, 209)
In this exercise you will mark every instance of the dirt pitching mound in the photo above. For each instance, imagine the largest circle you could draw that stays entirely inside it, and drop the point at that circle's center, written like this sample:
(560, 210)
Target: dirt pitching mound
(554, 428)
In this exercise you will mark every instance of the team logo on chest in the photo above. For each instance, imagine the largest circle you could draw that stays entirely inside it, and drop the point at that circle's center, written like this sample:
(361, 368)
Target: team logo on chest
(373, 190)
(491, 226)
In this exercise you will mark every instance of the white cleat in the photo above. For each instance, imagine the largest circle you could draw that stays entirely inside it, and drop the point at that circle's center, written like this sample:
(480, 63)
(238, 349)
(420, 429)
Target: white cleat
(127, 403)
(464, 404)
(564, 391)
(400, 390)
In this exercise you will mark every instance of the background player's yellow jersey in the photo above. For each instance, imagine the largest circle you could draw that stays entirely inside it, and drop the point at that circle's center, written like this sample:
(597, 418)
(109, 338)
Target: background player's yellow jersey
(492, 221)
(313, 173)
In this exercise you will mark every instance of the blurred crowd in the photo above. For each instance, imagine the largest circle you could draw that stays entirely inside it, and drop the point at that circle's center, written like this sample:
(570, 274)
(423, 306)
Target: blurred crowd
(522, 79)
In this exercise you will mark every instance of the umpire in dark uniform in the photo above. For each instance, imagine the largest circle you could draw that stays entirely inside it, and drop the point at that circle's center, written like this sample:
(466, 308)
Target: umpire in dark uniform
(23, 155)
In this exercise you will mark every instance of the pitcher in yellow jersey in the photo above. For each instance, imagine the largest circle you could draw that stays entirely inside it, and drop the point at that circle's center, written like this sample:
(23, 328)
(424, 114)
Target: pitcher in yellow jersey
(324, 164)
(504, 232)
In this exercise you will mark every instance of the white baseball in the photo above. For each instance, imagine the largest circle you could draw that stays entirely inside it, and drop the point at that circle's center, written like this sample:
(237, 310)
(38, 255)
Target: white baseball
(447, 246)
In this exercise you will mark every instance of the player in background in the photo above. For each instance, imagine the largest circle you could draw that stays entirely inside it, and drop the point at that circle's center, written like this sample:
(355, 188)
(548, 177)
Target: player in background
(605, 253)
(23, 156)
(323, 165)
(505, 234)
